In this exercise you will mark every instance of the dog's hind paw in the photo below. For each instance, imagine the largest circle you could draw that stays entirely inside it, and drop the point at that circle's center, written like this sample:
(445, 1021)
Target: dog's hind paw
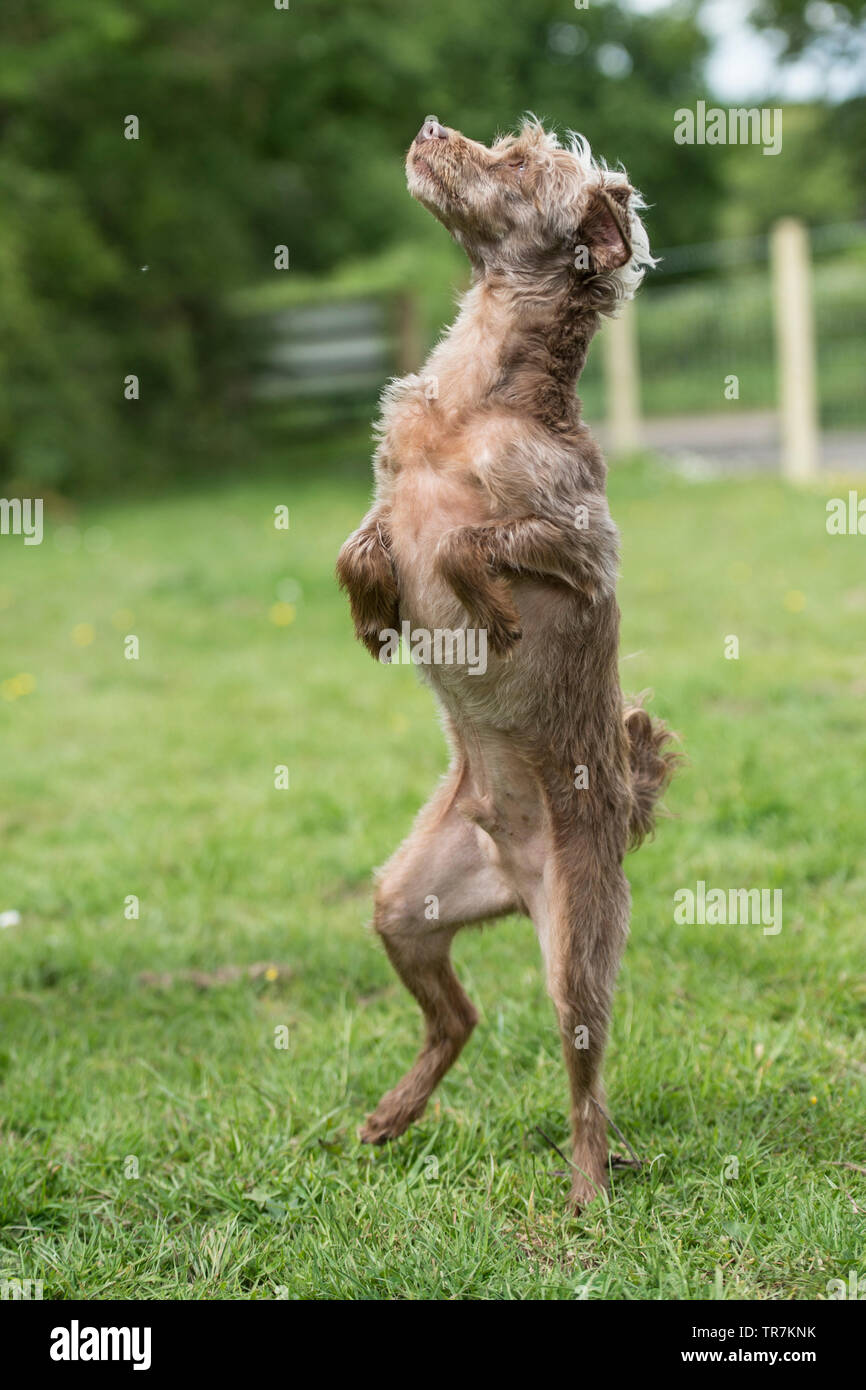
(583, 1193)
(391, 1118)
(380, 1131)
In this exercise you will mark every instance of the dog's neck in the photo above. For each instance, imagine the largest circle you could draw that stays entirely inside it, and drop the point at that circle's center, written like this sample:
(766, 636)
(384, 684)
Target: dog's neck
(521, 345)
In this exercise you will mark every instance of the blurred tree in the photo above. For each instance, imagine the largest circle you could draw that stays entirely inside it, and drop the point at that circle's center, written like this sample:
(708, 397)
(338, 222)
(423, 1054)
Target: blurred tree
(761, 190)
(381, 66)
(832, 37)
(826, 27)
(260, 126)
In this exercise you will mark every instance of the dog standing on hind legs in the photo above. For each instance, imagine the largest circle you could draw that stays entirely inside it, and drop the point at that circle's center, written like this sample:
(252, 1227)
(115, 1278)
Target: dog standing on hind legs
(491, 513)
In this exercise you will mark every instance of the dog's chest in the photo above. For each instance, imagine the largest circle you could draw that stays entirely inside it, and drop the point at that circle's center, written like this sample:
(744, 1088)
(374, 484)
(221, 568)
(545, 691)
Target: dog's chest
(431, 480)
(424, 504)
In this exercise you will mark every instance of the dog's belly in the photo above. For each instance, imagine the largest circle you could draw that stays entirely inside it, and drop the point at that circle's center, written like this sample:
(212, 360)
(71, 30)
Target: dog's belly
(423, 506)
(476, 687)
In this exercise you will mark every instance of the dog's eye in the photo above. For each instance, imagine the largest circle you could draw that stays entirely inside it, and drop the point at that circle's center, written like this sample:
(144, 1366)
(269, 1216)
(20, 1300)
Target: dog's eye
(518, 165)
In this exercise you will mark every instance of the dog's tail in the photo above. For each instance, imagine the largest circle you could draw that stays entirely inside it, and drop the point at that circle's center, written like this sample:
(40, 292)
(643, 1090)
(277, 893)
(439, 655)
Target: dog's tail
(652, 766)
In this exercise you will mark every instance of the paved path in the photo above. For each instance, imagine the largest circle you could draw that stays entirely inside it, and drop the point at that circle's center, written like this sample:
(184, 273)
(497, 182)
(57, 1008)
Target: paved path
(744, 442)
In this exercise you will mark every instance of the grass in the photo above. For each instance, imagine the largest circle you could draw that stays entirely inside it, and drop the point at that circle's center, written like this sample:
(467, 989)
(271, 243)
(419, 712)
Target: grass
(156, 1143)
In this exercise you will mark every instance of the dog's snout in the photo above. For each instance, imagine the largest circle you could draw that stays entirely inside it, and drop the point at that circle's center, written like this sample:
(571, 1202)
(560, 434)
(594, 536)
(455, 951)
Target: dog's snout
(431, 130)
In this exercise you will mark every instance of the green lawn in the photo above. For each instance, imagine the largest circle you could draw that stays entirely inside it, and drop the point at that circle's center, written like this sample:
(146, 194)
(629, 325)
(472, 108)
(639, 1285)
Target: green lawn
(155, 778)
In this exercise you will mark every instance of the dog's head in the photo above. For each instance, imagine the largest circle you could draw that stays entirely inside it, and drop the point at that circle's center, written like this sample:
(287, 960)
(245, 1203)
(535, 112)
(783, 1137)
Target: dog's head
(528, 207)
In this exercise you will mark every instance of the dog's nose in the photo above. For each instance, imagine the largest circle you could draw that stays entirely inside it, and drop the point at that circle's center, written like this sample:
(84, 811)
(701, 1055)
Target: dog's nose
(431, 130)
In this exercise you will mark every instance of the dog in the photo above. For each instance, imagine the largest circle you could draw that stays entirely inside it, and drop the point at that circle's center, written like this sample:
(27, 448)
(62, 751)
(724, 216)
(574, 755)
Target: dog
(490, 511)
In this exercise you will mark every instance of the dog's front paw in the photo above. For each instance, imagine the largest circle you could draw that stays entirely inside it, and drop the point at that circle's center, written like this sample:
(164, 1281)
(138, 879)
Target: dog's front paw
(365, 571)
(494, 613)
(379, 640)
(503, 632)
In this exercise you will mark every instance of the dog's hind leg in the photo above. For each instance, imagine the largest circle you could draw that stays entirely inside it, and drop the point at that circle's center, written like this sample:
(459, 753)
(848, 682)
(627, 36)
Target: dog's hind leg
(581, 914)
(444, 876)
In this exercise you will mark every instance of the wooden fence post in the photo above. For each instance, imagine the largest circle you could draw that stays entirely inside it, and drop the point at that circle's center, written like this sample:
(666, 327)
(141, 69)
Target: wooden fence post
(795, 350)
(622, 380)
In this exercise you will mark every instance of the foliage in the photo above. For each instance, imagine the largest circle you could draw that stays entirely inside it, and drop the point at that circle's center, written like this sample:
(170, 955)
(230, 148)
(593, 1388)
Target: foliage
(261, 127)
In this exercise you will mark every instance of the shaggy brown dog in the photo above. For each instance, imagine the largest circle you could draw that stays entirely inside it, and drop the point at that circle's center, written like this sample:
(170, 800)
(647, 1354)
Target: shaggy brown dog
(491, 511)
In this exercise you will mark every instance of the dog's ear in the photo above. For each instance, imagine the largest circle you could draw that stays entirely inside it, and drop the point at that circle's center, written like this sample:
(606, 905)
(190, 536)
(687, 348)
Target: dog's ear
(604, 229)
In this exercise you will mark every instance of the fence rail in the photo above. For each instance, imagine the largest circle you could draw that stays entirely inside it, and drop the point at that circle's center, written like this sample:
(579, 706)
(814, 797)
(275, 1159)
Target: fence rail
(777, 333)
(342, 348)
(788, 338)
